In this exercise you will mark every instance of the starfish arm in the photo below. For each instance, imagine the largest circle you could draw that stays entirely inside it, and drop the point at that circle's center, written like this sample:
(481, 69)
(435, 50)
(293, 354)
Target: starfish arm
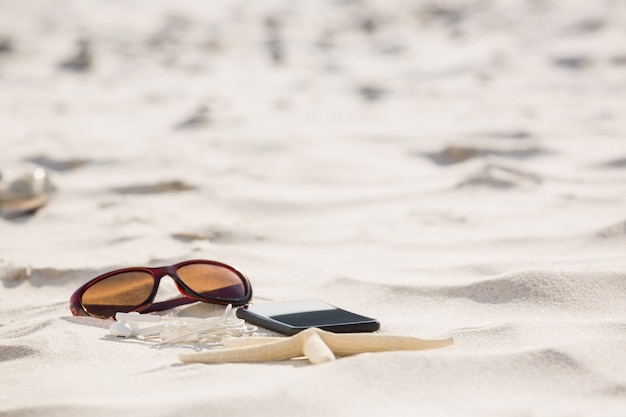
(316, 350)
(235, 342)
(279, 350)
(313, 346)
(346, 344)
(318, 345)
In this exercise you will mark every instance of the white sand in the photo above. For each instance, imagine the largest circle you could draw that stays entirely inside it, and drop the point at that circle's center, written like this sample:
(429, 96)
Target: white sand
(454, 171)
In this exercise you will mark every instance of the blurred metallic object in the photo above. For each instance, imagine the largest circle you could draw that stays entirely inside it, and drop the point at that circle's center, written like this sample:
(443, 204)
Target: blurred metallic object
(25, 194)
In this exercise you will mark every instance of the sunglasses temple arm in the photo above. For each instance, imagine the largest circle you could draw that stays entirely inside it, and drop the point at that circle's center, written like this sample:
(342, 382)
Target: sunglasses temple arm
(166, 305)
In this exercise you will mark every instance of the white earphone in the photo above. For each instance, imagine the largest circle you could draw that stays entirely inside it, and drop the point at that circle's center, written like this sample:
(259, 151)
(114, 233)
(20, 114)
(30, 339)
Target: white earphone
(179, 329)
(126, 324)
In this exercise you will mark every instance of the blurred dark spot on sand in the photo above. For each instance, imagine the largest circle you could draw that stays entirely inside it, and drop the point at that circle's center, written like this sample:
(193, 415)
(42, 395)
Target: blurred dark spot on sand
(447, 14)
(326, 40)
(274, 42)
(200, 117)
(500, 176)
(6, 44)
(371, 92)
(122, 239)
(13, 274)
(513, 134)
(392, 48)
(158, 188)
(171, 32)
(58, 164)
(216, 236)
(616, 163)
(81, 60)
(213, 42)
(368, 24)
(55, 276)
(588, 25)
(617, 230)
(619, 60)
(615, 390)
(455, 154)
(573, 62)
(9, 353)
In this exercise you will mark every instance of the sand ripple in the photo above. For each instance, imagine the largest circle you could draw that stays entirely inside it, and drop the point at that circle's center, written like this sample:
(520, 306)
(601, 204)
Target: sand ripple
(12, 352)
(615, 231)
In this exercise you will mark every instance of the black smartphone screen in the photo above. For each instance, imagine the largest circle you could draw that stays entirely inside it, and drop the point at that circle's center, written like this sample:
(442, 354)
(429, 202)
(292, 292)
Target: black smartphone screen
(291, 317)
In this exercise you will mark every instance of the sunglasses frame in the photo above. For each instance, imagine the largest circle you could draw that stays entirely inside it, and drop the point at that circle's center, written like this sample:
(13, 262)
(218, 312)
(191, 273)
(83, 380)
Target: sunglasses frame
(188, 295)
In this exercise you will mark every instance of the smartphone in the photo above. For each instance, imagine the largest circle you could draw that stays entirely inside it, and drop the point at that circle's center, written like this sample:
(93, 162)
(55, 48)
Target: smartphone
(291, 317)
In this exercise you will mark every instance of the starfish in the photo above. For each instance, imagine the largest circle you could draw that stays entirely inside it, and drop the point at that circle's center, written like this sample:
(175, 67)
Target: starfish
(316, 345)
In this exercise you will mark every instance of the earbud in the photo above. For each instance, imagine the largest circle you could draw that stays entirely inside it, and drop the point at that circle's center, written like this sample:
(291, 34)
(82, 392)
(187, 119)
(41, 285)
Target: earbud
(121, 328)
(127, 324)
(179, 329)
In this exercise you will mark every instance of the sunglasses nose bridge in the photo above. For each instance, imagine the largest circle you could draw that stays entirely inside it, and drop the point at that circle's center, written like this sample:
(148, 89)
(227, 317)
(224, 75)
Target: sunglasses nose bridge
(166, 289)
(171, 271)
(158, 274)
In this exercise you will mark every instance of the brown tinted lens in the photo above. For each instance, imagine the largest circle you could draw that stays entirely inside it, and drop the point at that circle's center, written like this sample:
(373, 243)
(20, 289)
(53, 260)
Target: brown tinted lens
(213, 282)
(120, 292)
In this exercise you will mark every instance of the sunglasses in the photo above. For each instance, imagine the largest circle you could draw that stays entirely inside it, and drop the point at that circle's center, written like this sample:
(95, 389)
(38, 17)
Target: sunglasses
(134, 289)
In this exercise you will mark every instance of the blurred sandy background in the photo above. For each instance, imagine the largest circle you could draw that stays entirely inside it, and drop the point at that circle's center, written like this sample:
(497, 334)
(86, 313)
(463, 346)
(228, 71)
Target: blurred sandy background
(453, 168)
